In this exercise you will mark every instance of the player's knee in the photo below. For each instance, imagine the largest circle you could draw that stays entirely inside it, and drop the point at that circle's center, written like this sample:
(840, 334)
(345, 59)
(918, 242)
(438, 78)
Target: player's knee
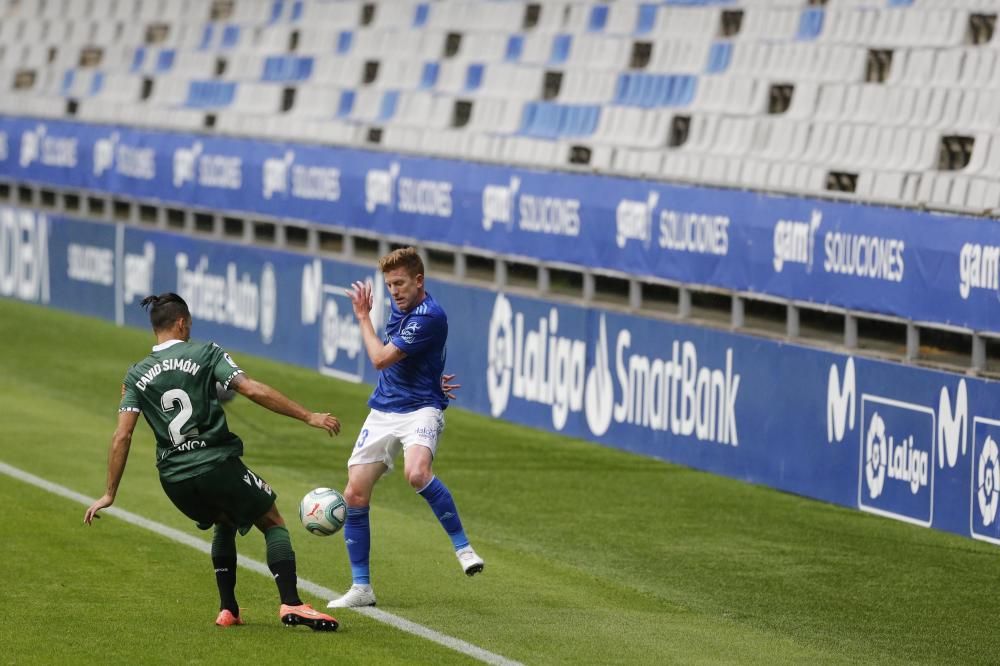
(419, 477)
(356, 498)
(272, 518)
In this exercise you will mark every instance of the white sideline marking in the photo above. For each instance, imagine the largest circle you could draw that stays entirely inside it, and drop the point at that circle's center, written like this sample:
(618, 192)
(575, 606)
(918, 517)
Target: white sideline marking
(261, 568)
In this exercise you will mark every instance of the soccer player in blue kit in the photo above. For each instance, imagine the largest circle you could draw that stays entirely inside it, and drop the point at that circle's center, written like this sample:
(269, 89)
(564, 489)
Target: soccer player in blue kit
(407, 412)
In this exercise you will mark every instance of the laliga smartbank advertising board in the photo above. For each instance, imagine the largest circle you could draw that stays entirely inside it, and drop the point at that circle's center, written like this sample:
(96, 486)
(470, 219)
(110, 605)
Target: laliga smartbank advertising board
(902, 442)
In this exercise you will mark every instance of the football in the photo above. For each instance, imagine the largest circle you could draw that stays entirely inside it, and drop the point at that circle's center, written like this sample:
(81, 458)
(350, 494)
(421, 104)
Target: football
(323, 511)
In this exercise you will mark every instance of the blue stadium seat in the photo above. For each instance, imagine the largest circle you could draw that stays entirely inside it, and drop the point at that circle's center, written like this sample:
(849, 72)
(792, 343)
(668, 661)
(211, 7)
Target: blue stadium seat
(719, 57)
(280, 7)
(287, 68)
(420, 15)
(598, 18)
(230, 36)
(429, 77)
(216, 36)
(546, 120)
(654, 90)
(138, 57)
(210, 94)
(473, 77)
(646, 20)
(165, 60)
(67, 82)
(346, 103)
(810, 24)
(515, 47)
(561, 44)
(387, 108)
(344, 41)
(276, 9)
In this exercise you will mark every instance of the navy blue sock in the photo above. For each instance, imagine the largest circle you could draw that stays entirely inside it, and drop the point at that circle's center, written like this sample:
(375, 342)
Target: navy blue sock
(443, 506)
(358, 537)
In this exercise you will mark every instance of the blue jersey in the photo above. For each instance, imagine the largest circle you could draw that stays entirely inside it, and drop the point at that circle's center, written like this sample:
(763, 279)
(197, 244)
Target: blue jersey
(415, 381)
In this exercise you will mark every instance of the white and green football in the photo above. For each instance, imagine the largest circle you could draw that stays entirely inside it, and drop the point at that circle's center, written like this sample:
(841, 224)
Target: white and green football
(323, 511)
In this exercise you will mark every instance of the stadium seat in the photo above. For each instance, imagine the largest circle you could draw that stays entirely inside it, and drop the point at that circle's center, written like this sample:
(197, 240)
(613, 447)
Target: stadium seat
(870, 86)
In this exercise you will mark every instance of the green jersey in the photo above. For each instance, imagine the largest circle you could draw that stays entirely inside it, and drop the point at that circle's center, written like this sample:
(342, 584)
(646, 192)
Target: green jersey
(174, 389)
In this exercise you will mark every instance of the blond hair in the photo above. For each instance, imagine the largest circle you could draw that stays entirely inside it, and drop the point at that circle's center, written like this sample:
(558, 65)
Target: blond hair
(404, 257)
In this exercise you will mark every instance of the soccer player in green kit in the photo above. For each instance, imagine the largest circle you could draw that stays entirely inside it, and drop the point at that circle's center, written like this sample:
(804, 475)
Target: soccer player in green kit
(198, 457)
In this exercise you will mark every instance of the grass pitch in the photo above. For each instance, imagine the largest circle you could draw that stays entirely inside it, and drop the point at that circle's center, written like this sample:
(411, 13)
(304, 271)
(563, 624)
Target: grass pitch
(593, 555)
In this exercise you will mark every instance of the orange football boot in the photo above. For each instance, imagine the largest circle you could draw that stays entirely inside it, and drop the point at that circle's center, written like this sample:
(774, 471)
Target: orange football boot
(227, 619)
(308, 616)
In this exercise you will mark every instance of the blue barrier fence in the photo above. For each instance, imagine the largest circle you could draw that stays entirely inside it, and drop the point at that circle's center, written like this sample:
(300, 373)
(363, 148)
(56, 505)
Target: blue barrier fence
(918, 266)
(909, 443)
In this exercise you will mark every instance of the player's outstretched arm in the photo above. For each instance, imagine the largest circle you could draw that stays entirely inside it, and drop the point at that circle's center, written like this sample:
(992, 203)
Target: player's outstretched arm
(277, 402)
(381, 355)
(121, 441)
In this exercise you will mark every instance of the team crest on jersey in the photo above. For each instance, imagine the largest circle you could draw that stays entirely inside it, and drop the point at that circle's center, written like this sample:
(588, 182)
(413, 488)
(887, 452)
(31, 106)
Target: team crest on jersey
(409, 332)
(229, 359)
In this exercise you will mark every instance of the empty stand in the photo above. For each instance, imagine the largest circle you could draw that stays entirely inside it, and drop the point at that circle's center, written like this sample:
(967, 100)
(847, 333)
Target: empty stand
(862, 98)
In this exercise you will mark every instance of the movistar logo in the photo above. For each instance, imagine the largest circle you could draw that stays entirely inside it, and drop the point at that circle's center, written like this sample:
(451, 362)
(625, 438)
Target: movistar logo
(841, 399)
(953, 425)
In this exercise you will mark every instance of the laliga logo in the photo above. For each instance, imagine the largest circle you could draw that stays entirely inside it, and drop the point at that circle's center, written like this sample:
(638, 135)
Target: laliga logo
(185, 160)
(104, 154)
(500, 355)
(634, 220)
(840, 402)
(31, 144)
(339, 332)
(379, 185)
(876, 456)
(275, 178)
(541, 366)
(988, 493)
(498, 203)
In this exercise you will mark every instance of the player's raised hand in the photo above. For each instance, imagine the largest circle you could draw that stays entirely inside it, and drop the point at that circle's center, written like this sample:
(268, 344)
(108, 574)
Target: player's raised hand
(361, 297)
(449, 388)
(325, 422)
(102, 503)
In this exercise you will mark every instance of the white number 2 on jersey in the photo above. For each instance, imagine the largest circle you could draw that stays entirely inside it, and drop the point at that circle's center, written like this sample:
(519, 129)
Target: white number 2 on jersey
(168, 401)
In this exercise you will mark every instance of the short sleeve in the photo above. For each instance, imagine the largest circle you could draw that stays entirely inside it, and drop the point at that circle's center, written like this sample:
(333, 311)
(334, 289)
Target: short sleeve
(420, 333)
(224, 367)
(130, 397)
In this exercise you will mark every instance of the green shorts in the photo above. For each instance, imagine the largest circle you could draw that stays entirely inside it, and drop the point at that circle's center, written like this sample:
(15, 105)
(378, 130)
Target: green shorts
(227, 492)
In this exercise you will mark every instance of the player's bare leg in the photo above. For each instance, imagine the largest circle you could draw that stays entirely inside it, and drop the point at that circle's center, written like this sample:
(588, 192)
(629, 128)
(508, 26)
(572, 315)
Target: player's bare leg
(420, 476)
(361, 481)
(281, 562)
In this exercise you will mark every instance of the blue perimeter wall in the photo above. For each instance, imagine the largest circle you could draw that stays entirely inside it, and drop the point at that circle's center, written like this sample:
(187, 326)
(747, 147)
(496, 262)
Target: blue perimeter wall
(914, 265)
(900, 441)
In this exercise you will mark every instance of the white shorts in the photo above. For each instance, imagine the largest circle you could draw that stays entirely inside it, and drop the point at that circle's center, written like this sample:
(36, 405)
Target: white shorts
(384, 433)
